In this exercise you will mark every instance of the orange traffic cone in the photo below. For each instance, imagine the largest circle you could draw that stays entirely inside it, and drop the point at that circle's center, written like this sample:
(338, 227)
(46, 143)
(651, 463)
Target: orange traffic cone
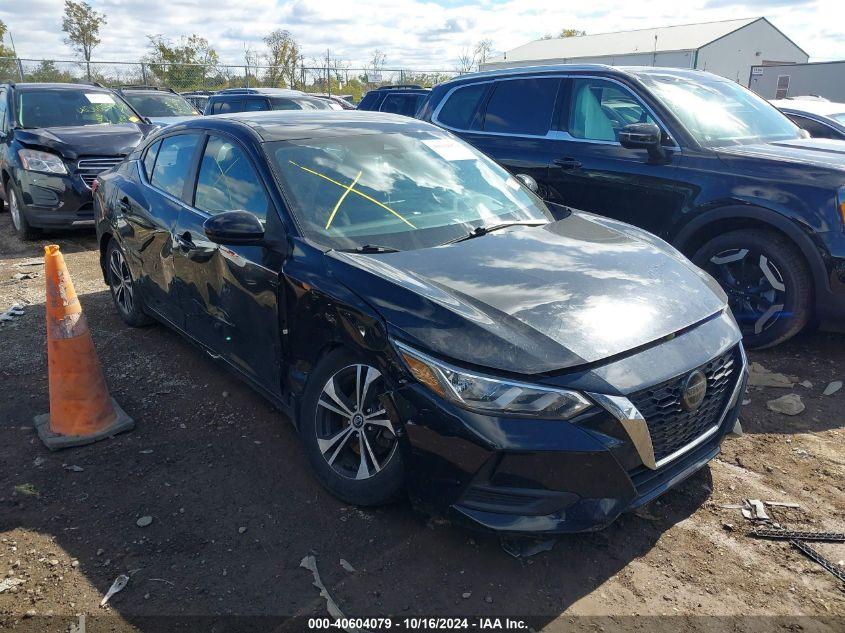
(81, 410)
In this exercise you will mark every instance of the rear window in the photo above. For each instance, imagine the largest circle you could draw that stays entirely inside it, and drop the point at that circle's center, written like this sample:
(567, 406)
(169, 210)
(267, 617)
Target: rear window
(521, 106)
(460, 107)
(404, 104)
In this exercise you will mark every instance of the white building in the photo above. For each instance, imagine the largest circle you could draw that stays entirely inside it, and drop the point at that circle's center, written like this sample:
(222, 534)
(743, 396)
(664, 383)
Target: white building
(728, 48)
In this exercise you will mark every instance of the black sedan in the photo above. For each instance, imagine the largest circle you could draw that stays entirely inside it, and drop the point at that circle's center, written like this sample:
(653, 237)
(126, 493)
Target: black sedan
(422, 318)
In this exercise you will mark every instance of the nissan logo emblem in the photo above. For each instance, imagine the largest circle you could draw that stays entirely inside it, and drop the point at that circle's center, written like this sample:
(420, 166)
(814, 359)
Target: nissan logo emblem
(694, 390)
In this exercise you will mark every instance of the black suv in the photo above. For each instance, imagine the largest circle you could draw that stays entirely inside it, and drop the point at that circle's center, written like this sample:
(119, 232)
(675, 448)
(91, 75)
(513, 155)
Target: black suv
(692, 157)
(404, 100)
(162, 106)
(258, 99)
(54, 141)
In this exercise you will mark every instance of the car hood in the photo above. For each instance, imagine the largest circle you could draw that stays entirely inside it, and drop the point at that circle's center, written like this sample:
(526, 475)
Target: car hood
(532, 300)
(84, 140)
(818, 152)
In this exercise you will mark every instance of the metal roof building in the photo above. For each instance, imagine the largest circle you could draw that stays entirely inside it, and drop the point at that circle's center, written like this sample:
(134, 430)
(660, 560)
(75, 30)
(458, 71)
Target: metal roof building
(728, 48)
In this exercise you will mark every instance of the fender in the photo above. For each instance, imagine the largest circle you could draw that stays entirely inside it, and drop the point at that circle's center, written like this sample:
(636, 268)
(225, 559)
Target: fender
(787, 226)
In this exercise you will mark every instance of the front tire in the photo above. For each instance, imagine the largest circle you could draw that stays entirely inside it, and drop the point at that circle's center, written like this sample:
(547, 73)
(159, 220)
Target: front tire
(348, 428)
(19, 221)
(124, 292)
(767, 281)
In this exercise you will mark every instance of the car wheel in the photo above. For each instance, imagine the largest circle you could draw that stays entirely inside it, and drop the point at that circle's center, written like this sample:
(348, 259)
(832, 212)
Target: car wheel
(123, 288)
(348, 428)
(19, 221)
(767, 282)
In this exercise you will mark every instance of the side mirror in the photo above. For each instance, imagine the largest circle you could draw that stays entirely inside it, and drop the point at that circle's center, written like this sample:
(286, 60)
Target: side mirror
(642, 136)
(529, 182)
(235, 228)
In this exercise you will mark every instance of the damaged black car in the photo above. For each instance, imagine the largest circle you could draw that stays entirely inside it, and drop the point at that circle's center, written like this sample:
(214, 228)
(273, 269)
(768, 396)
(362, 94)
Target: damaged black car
(54, 141)
(423, 319)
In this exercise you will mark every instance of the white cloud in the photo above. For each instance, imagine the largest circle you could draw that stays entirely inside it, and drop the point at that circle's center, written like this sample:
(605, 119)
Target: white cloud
(413, 33)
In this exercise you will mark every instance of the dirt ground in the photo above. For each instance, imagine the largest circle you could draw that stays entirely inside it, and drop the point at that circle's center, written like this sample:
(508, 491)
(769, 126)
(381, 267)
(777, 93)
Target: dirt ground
(235, 508)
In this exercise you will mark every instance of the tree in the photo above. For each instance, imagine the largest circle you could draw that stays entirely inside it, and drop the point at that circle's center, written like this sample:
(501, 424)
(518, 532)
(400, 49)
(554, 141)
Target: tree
(483, 51)
(466, 62)
(184, 65)
(82, 25)
(377, 64)
(564, 33)
(283, 53)
(8, 65)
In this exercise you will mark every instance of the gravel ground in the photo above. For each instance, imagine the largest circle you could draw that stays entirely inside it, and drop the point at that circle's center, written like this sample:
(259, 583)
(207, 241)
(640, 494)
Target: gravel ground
(234, 508)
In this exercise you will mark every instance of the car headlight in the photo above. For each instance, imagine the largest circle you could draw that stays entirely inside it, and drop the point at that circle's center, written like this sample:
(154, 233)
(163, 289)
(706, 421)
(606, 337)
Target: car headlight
(33, 160)
(491, 395)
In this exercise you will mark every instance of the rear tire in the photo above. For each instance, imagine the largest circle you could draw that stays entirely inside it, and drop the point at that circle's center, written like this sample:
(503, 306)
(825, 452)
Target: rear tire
(124, 291)
(19, 221)
(350, 439)
(767, 280)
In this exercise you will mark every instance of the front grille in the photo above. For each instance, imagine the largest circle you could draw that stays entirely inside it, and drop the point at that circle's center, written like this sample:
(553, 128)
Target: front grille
(89, 168)
(670, 425)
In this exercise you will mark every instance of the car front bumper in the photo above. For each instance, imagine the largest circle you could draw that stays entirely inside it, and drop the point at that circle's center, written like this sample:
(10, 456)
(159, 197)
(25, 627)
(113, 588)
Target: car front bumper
(830, 296)
(53, 201)
(527, 476)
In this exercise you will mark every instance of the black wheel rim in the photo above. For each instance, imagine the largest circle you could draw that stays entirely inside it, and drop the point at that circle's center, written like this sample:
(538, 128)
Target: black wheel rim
(354, 432)
(755, 287)
(121, 282)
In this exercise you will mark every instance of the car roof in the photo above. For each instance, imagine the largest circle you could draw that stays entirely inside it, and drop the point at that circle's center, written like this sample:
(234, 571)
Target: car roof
(279, 92)
(586, 68)
(810, 106)
(287, 125)
(59, 86)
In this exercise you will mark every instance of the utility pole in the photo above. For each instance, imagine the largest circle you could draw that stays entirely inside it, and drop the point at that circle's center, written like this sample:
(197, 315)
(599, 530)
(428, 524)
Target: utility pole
(328, 74)
(15, 53)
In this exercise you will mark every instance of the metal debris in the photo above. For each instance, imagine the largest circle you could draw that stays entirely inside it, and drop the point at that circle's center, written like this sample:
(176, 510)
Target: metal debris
(815, 556)
(759, 376)
(526, 548)
(118, 585)
(832, 388)
(789, 404)
(755, 510)
(788, 535)
(310, 563)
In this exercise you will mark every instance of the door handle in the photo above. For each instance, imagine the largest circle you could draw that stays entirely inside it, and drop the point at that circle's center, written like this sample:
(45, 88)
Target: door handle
(184, 241)
(567, 163)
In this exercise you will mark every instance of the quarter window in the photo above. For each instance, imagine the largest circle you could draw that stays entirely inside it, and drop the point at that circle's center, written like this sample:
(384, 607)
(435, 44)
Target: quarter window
(521, 106)
(460, 107)
(601, 108)
(227, 181)
(173, 163)
(150, 159)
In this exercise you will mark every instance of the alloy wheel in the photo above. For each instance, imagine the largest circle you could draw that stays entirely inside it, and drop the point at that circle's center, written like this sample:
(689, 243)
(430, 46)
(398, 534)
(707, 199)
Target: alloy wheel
(14, 209)
(121, 281)
(754, 285)
(354, 432)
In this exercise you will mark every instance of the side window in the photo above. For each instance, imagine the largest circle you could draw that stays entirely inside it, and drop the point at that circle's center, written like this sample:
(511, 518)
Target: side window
(601, 108)
(227, 105)
(521, 106)
(150, 159)
(173, 163)
(460, 107)
(256, 105)
(285, 104)
(227, 181)
(816, 129)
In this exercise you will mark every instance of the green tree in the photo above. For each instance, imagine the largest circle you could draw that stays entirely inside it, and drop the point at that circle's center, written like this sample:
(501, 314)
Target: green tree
(8, 65)
(82, 25)
(282, 56)
(564, 33)
(189, 64)
(48, 72)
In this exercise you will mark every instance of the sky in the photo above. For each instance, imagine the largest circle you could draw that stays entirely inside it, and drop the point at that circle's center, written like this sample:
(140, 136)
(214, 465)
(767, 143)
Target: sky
(415, 34)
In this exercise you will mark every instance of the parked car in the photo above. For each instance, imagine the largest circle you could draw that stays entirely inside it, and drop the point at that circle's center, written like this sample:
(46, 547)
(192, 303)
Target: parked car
(821, 119)
(339, 102)
(198, 98)
(54, 141)
(162, 106)
(258, 99)
(694, 158)
(423, 319)
(404, 100)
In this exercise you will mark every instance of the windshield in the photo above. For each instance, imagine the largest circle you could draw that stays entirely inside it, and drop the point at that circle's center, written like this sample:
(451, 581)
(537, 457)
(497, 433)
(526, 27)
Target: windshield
(69, 108)
(159, 104)
(720, 112)
(403, 191)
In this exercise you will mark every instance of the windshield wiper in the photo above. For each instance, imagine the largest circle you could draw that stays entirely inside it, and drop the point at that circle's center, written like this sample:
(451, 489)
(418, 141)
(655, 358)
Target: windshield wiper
(369, 248)
(484, 230)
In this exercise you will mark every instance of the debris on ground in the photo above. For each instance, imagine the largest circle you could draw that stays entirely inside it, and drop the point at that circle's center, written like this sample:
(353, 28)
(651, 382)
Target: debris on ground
(788, 535)
(347, 566)
(28, 490)
(755, 510)
(38, 461)
(22, 276)
(310, 563)
(526, 548)
(73, 468)
(783, 504)
(118, 585)
(832, 388)
(806, 384)
(817, 557)
(759, 376)
(144, 521)
(9, 583)
(26, 263)
(789, 404)
(12, 313)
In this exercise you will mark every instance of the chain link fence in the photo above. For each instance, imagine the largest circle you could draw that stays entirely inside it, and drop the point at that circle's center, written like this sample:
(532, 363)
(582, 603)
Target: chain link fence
(350, 81)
